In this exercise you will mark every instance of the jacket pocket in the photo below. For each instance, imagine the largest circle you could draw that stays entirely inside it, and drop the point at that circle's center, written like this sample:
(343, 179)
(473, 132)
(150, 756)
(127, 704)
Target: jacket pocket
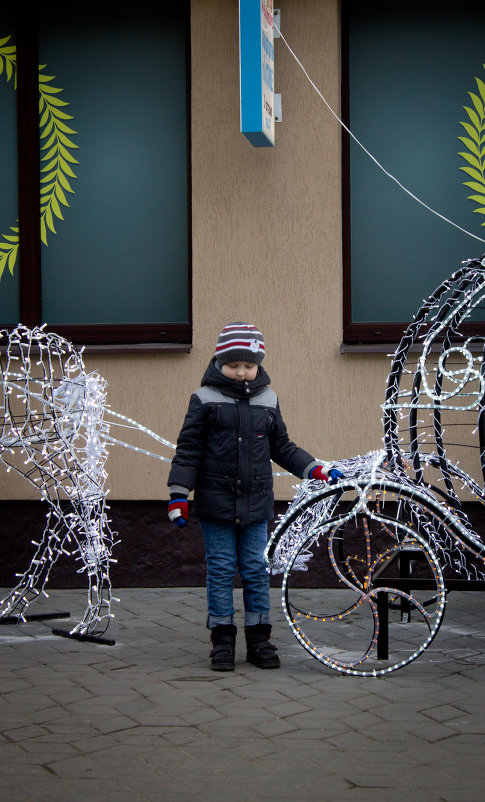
(261, 485)
(262, 424)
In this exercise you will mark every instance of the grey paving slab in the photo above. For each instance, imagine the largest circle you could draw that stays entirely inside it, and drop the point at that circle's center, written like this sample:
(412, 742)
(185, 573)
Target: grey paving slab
(146, 719)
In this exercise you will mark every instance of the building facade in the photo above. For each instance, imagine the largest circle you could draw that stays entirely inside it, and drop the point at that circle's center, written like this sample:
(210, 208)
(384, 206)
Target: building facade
(266, 246)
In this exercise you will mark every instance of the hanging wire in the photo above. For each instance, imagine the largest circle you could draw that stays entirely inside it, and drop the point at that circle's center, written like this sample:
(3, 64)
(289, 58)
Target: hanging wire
(367, 152)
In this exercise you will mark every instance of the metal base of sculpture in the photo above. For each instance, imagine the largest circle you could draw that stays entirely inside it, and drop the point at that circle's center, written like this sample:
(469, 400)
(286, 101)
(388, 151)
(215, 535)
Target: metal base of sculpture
(16, 619)
(100, 640)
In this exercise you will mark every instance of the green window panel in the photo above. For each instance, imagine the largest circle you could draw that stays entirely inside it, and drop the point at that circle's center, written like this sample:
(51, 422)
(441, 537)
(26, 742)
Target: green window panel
(410, 72)
(114, 129)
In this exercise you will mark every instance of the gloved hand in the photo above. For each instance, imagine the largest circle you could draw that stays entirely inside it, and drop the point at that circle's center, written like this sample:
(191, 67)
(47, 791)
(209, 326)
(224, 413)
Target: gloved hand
(335, 475)
(178, 511)
(317, 473)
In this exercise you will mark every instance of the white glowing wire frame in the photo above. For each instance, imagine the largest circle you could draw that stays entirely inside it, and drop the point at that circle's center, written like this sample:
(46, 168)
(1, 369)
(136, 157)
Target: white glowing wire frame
(359, 664)
(53, 433)
(55, 430)
(432, 515)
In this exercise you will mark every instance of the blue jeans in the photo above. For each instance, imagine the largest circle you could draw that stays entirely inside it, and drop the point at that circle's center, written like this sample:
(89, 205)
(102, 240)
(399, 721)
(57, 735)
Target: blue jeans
(229, 548)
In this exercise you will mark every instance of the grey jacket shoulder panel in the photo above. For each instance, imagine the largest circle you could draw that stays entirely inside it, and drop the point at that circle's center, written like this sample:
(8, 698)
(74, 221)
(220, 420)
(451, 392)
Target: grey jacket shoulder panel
(266, 398)
(211, 395)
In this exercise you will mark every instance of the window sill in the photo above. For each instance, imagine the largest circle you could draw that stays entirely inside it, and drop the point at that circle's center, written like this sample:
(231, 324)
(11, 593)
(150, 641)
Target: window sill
(139, 348)
(390, 348)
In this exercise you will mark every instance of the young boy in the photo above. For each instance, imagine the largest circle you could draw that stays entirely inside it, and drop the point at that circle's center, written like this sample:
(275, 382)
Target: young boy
(232, 431)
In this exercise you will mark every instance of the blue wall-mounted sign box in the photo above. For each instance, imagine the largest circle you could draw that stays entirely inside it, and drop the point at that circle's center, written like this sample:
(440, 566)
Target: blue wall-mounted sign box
(256, 71)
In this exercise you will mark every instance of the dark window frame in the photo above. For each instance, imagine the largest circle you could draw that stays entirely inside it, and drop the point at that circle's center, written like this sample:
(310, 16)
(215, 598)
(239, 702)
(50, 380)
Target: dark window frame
(130, 336)
(374, 336)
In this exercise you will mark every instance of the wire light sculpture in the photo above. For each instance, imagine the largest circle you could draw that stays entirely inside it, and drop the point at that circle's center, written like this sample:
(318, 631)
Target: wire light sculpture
(385, 538)
(53, 433)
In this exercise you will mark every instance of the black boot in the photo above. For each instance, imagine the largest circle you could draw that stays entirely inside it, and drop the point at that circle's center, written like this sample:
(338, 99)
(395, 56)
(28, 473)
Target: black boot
(259, 650)
(223, 638)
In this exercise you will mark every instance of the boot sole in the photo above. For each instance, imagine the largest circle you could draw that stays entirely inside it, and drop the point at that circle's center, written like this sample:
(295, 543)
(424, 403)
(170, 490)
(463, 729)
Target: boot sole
(223, 667)
(260, 664)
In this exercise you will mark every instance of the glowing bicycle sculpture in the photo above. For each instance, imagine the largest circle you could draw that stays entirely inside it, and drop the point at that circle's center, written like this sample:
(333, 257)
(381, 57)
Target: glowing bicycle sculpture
(385, 537)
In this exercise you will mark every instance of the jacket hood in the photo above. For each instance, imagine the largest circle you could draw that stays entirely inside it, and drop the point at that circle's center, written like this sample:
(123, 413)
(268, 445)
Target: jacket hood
(214, 377)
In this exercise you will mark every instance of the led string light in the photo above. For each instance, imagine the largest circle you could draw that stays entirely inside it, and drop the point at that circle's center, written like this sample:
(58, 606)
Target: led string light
(53, 434)
(134, 425)
(55, 431)
(305, 535)
(366, 597)
(421, 520)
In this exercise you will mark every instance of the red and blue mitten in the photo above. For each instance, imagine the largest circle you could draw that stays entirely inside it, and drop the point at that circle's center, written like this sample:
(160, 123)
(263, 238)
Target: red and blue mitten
(178, 511)
(333, 475)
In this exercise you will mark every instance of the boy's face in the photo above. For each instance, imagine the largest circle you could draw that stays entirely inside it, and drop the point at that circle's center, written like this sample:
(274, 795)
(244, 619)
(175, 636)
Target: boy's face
(240, 371)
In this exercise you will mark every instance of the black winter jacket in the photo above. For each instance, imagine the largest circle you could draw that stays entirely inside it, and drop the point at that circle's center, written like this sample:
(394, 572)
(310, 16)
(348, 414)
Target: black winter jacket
(231, 433)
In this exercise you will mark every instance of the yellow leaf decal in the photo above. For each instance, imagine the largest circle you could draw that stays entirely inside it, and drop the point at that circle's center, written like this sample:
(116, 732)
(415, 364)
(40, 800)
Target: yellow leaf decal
(65, 153)
(44, 118)
(66, 169)
(61, 196)
(9, 243)
(3, 261)
(49, 141)
(471, 144)
(66, 141)
(65, 183)
(49, 219)
(52, 152)
(56, 153)
(475, 144)
(48, 177)
(56, 208)
(12, 259)
(50, 89)
(471, 131)
(47, 129)
(61, 115)
(47, 189)
(471, 159)
(474, 173)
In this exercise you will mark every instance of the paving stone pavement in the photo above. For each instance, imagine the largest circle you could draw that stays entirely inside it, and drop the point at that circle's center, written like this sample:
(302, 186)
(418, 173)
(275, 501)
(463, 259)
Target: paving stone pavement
(146, 719)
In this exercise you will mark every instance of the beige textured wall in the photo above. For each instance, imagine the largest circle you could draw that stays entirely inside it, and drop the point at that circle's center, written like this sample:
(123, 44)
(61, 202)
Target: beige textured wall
(266, 249)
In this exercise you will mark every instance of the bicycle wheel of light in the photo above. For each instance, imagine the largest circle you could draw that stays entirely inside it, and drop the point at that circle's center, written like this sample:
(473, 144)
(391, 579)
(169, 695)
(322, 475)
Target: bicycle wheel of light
(356, 560)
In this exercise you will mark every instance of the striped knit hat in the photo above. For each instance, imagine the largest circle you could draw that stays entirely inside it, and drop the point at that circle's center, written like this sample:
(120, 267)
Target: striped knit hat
(239, 342)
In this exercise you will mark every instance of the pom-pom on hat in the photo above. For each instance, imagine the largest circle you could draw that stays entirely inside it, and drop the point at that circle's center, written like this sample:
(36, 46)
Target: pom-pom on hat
(240, 342)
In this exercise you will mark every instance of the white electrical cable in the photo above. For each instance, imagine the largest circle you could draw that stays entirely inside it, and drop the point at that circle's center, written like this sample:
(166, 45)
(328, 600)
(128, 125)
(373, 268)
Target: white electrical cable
(367, 152)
